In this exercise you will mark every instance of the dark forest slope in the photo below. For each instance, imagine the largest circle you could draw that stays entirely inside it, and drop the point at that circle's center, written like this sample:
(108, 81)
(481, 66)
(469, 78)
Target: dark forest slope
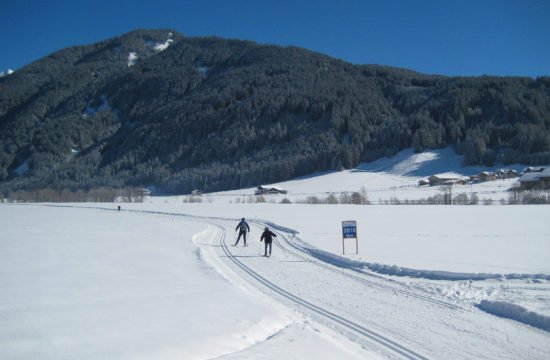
(215, 114)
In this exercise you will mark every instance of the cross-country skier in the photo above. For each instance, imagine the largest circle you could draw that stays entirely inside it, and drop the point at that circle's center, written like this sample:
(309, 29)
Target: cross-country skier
(243, 229)
(268, 236)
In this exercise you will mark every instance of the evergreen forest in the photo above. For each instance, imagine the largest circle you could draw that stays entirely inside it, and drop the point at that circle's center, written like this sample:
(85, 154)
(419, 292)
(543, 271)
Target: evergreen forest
(157, 109)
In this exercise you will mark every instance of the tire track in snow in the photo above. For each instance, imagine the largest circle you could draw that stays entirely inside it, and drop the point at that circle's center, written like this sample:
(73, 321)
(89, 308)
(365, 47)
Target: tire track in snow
(380, 340)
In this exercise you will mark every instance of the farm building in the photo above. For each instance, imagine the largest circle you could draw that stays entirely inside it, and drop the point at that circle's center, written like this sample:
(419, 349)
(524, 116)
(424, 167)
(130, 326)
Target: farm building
(435, 180)
(264, 190)
(535, 180)
(531, 169)
(483, 177)
(506, 174)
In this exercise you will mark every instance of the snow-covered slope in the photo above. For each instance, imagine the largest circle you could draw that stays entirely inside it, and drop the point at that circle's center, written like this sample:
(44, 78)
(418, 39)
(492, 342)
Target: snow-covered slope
(397, 177)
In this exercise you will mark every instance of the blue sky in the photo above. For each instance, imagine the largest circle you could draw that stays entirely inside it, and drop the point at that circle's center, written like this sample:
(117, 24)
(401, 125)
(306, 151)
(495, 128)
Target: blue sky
(463, 37)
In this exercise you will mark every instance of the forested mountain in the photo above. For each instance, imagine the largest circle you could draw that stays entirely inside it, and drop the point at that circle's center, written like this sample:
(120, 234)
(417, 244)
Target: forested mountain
(157, 108)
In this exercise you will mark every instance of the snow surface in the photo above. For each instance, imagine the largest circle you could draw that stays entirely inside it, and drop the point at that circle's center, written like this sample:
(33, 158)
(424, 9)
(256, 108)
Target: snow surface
(163, 46)
(515, 312)
(88, 284)
(160, 280)
(397, 177)
(132, 58)
(9, 72)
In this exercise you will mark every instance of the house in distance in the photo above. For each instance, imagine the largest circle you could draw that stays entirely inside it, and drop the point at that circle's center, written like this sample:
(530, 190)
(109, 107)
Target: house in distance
(535, 180)
(265, 190)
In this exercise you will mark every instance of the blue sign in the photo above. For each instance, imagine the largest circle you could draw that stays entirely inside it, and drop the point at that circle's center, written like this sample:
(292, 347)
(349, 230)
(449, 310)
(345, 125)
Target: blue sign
(349, 229)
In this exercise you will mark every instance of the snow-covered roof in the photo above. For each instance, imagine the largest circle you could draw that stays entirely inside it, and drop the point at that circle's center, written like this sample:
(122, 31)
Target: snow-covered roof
(270, 188)
(533, 169)
(443, 177)
(532, 176)
(535, 176)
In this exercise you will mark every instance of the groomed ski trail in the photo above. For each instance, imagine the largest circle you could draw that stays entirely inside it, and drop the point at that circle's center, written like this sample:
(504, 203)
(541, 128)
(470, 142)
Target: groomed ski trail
(383, 343)
(385, 307)
(376, 312)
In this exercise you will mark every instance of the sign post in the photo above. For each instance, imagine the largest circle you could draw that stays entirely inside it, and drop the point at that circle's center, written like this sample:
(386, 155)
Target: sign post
(349, 231)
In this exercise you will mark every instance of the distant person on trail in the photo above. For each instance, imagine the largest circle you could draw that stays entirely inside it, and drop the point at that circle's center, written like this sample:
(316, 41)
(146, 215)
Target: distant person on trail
(268, 236)
(243, 229)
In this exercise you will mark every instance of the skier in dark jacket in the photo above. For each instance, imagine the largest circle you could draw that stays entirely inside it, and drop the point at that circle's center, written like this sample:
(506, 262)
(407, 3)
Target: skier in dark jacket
(268, 236)
(243, 229)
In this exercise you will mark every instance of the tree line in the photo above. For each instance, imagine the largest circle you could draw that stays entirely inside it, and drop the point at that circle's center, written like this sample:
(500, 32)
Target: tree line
(99, 194)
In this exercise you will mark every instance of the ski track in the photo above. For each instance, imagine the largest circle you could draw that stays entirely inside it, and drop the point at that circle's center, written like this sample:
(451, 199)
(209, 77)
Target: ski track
(348, 324)
(388, 347)
(312, 260)
(359, 279)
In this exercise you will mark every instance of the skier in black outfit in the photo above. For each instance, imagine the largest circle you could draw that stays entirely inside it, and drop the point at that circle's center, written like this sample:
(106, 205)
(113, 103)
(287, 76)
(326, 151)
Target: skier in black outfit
(244, 228)
(268, 236)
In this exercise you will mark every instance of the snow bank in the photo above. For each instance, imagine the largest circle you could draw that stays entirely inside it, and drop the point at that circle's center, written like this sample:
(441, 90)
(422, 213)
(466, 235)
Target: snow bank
(394, 270)
(280, 227)
(448, 275)
(515, 312)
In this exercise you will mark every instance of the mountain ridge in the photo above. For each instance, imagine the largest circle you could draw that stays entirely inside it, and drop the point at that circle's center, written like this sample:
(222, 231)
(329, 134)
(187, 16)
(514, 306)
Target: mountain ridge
(217, 114)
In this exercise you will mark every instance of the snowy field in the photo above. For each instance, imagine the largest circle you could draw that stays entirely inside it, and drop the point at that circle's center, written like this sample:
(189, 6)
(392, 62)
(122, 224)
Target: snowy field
(89, 284)
(160, 279)
(395, 177)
